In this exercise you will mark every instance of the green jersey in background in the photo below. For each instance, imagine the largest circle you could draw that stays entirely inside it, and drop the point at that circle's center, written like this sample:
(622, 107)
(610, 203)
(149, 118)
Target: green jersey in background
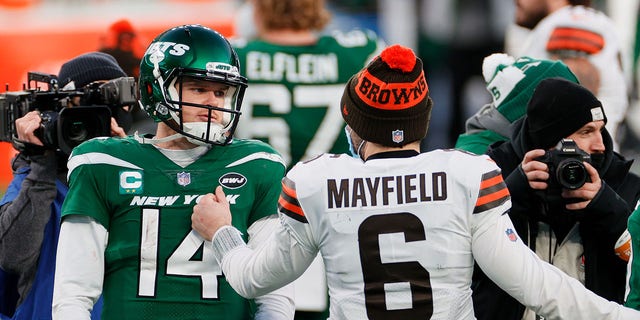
(293, 98)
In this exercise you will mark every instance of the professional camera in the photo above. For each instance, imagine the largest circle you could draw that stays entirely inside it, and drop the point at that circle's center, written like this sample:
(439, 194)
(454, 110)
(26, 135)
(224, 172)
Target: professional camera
(62, 127)
(566, 167)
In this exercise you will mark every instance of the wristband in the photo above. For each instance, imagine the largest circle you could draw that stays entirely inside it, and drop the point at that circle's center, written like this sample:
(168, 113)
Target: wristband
(226, 239)
(27, 148)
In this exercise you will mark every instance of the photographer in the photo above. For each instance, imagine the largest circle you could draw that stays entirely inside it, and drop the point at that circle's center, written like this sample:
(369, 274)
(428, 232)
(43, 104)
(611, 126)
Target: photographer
(574, 228)
(30, 209)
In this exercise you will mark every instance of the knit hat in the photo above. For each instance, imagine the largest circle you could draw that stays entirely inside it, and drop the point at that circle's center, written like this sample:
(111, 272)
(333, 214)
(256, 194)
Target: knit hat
(89, 67)
(122, 26)
(557, 109)
(388, 101)
(511, 82)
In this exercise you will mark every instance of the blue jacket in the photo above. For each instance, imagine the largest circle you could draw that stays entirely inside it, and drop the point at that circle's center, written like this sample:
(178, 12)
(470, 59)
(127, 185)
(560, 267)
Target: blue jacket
(37, 305)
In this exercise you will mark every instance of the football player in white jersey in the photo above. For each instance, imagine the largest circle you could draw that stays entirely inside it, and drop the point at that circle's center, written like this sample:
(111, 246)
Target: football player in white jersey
(398, 230)
(569, 28)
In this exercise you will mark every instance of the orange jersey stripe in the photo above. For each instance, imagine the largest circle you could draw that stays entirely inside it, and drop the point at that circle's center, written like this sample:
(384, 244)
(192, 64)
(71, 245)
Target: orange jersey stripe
(289, 191)
(579, 34)
(490, 182)
(504, 192)
(290, 206)
(493, 192)
(568, 44)
(575, 39)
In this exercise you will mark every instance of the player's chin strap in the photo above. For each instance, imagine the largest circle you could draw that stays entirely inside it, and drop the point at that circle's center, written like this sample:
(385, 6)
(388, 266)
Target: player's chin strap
(142, 139)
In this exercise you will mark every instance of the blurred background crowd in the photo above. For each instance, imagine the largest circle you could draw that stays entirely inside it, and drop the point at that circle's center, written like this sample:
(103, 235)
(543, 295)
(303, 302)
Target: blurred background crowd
(452, 38)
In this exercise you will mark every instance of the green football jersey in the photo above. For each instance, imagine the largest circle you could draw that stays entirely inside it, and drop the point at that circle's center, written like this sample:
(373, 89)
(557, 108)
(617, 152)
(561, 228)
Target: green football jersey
(156, 267)
(293, 98)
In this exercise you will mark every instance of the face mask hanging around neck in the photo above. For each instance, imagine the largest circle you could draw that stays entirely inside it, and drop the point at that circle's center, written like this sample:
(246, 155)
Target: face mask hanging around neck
(353, 149)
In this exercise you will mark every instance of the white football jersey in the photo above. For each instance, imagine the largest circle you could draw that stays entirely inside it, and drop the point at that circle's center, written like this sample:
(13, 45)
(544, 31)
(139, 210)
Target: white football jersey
(398, 237)
(401, 228)
(589, 31)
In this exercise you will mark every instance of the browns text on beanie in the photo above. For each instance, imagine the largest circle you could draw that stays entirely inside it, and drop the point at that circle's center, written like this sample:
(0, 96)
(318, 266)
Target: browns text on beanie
(557, 109)
(89, 67)
(388, 101)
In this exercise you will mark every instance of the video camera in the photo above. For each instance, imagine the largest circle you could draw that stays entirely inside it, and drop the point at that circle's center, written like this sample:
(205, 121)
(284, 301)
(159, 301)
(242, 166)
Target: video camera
(62, 127)
(565, 165)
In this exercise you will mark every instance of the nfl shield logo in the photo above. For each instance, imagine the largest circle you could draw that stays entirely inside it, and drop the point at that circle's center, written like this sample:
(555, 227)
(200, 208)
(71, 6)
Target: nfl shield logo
(397, 136)
(511, 235)
(184, 178)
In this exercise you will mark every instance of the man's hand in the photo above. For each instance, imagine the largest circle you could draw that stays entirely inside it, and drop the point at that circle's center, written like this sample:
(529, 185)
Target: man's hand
(537, 172)
(210, 214)
(116, 130)
(26, 127)
(587, 192)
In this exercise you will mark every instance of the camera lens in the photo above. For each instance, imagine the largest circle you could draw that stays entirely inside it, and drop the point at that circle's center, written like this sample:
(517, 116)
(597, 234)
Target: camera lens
(77, 132)
(571, 174)
(82, 123)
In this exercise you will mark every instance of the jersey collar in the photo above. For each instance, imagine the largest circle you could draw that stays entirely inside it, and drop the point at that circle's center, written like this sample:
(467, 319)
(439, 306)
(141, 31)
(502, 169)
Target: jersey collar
(393, 154)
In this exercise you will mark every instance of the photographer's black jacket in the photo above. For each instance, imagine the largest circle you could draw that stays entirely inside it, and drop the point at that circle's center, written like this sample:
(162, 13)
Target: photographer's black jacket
(601, 224)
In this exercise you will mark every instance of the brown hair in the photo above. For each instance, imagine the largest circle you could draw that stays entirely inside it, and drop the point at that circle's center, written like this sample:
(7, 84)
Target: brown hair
(586, 3)
(293, 14)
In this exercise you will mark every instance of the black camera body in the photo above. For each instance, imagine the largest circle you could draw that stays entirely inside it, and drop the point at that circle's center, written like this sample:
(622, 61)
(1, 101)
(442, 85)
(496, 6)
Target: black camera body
(63, 128)
(566, 167)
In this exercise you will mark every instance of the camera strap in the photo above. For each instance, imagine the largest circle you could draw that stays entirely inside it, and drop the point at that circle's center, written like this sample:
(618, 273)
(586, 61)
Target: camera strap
(27, 148)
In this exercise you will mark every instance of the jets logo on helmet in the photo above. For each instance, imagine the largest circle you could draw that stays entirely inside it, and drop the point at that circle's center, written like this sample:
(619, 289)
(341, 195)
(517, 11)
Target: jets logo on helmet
(156, 56)
(196, 52)
(172, 48)
(213, 67)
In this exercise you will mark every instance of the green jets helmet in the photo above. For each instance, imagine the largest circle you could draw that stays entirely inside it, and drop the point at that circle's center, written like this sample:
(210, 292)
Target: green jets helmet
(191, 51)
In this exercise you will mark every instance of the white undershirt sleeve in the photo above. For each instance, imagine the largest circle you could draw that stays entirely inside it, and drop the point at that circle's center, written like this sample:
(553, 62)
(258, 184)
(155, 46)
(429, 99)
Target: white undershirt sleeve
(252, 272)
(538, 285)
(79, 268)
(278, 304)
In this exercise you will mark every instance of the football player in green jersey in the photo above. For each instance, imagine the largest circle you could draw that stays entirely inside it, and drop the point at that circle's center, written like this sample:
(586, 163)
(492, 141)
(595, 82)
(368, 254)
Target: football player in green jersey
(126, 229)
(297, 73)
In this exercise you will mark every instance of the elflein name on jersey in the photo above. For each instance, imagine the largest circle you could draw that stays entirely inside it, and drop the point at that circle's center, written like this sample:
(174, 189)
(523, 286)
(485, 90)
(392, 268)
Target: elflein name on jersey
(375, 191)
(305, 68)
